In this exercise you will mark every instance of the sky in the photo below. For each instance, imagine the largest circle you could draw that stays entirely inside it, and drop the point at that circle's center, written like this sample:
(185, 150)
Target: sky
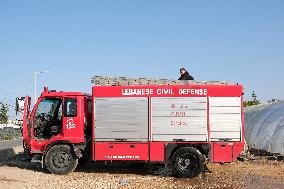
(240, 41)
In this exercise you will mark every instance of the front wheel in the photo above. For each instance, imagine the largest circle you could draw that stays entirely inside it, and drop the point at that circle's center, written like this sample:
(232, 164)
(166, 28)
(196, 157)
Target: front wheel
(59, 160)
(187, 162)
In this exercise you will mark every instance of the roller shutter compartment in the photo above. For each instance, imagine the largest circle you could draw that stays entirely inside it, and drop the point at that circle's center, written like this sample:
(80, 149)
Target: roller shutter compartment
(121, 119)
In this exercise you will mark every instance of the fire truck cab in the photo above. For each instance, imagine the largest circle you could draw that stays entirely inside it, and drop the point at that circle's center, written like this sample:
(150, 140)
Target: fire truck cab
(179, 125)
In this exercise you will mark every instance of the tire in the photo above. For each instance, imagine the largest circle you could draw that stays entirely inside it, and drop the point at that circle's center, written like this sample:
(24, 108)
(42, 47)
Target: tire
(187, 162)
(59, 160)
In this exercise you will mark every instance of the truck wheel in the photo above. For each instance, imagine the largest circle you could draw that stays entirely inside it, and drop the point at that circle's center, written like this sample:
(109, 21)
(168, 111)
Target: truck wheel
(59, 160)
(187, 162)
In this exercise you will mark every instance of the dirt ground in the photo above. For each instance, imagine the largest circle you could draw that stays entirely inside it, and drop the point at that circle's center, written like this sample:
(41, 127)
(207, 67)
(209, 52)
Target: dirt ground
(258, 173)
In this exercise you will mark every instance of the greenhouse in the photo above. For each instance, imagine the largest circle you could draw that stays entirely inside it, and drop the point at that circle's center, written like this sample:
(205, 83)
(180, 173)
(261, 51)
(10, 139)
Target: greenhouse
(264, 127)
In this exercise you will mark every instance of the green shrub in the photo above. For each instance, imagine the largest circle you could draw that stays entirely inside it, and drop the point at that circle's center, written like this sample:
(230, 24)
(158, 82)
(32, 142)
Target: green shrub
(7, 137)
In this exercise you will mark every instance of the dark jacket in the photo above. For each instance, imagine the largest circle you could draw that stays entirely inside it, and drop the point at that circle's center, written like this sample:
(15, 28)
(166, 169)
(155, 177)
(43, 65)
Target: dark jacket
(186, 76)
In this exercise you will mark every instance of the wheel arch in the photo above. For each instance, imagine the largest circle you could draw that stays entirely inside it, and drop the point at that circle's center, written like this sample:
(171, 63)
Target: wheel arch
(58, 142)
(76, 149)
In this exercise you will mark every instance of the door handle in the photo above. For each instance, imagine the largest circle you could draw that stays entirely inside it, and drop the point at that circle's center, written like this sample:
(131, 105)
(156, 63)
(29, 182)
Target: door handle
(110, 146)
(132, 146)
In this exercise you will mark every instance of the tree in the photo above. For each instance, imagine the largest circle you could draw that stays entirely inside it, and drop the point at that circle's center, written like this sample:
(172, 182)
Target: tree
(253, 101)
(3, 113)
(273, 100)
(253, 96)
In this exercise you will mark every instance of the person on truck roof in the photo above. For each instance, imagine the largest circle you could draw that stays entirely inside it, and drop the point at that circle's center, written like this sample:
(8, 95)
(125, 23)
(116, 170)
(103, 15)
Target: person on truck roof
(184, 75)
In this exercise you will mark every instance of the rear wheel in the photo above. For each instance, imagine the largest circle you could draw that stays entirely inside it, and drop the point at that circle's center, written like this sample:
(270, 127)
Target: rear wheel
(59, 160)
(187, 162)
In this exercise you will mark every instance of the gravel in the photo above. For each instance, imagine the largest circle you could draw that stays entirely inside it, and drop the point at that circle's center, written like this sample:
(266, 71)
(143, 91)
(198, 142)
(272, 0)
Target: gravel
(258, 173)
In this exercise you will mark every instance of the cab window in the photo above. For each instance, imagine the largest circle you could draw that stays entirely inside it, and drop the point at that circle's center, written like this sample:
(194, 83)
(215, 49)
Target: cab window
(70, 107)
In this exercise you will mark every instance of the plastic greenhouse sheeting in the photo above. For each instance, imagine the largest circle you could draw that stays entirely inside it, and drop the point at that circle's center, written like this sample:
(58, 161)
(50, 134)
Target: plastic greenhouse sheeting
(264, 127)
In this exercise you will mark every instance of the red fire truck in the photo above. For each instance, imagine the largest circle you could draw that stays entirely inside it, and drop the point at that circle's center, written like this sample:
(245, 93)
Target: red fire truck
(180, 125)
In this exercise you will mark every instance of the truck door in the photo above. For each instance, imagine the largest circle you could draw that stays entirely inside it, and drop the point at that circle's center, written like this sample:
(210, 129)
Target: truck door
(73, 118)
(26, 120)
(46, 123)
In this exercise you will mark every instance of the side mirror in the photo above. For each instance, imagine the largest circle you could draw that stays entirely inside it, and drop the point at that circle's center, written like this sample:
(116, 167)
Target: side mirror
(20, 105)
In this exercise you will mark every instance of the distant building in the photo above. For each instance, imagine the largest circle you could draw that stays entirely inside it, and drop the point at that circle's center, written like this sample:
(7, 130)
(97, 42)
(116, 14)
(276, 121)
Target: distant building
(16, 122)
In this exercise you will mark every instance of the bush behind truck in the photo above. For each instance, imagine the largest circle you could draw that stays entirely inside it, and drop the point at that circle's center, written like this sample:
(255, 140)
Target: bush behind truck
(178, 123)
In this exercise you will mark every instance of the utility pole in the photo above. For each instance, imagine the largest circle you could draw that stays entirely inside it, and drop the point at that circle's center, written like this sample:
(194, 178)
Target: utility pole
(35, 73)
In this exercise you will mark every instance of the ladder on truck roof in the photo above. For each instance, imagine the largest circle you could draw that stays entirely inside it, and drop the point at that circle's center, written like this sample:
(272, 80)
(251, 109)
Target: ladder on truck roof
(122, 81)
